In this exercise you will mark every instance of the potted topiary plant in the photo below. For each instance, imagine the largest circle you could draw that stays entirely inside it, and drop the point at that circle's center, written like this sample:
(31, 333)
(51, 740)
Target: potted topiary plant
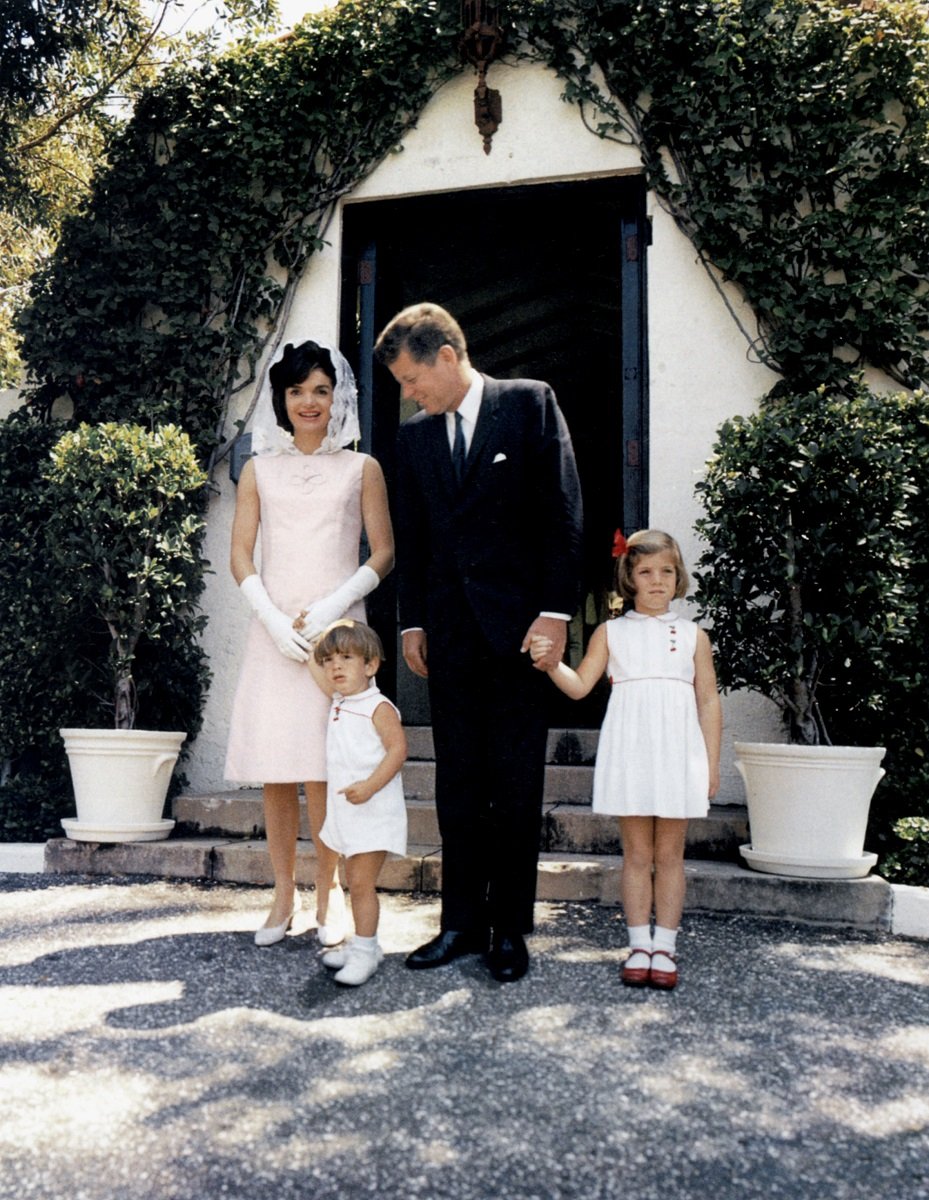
(124, 539)
(806, 582)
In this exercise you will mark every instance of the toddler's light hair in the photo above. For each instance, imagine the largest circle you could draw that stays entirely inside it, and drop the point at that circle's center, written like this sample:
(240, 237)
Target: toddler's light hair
(346, 636)
(640, 544)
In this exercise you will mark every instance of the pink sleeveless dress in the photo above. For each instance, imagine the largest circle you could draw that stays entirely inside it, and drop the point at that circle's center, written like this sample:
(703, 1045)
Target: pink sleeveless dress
(310, 533)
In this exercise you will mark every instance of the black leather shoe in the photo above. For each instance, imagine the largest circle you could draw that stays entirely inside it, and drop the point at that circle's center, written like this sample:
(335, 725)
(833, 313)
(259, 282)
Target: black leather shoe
(508, 959)
(449, 945)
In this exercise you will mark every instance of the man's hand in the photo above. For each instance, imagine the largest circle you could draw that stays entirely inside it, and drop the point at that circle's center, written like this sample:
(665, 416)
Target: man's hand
(414, 652)
(556, 632)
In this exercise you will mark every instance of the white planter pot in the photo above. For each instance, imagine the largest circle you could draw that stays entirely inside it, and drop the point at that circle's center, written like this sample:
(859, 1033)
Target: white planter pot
(120, 779)
(808, 807)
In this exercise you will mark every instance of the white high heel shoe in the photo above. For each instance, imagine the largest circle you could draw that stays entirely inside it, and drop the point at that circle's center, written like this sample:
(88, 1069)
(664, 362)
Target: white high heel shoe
(333, 932)
(268, 935)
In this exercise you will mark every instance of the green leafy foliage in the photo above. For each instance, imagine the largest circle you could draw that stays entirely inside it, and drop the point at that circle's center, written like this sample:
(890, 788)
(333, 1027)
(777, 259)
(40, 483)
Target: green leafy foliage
(69, 71)
(814, 576)
(908, 860)
(34, 692)
(160, 301)
(123, 538)
(99, 585)
(789, 140)
(787, 137)
(808, 567)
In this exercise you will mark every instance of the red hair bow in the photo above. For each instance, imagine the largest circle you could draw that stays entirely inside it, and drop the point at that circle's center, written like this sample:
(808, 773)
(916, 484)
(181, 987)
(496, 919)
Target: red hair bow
(619, 544)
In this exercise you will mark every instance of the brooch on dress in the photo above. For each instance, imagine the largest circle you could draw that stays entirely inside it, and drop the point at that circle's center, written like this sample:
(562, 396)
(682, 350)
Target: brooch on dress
(308, 478)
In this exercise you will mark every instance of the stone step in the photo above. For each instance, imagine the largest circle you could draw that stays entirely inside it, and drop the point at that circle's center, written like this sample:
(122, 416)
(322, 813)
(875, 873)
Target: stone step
(722, 887)
(242, 806)
(565, 747)
(574, 829)
(568, 827)
(563, 782)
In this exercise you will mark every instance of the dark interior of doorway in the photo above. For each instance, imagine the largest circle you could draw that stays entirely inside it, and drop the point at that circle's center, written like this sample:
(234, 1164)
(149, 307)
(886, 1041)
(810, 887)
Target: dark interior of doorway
(533, 274)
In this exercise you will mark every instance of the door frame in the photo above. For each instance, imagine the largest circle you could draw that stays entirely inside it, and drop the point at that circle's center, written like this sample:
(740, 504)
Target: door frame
(364, 312)
(360, 315)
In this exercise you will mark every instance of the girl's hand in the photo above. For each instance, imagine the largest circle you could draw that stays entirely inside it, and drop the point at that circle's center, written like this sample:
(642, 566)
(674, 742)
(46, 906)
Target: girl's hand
(358, 793)
(539, 647)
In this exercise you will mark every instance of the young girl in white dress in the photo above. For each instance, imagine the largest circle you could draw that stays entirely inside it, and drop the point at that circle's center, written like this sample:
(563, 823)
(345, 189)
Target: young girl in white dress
(365, 808)
(658, 753)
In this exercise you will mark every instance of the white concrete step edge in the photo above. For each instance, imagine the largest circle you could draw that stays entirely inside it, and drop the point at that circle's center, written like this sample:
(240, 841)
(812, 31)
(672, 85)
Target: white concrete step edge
(910, 916)
(23, 858)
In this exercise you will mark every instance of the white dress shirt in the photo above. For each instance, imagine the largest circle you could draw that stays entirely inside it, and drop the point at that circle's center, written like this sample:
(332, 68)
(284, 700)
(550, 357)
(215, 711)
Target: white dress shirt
(469, 409)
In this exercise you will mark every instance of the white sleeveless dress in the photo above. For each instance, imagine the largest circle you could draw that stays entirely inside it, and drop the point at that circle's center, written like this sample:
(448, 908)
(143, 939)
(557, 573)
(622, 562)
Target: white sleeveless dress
(354, 748)
(651, 756)
(310, 532)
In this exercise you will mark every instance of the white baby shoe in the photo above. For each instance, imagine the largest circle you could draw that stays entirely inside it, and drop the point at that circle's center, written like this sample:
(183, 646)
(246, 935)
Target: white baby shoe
(362, 957)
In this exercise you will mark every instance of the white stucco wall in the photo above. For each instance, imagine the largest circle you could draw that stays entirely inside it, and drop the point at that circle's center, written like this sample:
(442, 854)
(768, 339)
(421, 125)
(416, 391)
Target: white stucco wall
(9, 400)
(699, 370)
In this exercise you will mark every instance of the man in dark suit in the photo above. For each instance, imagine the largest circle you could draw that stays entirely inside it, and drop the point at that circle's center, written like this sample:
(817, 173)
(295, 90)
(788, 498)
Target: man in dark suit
(488, 514)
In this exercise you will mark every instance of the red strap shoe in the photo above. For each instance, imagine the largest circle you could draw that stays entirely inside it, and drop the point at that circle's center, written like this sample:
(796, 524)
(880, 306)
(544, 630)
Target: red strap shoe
(637, 976)
(665, 981)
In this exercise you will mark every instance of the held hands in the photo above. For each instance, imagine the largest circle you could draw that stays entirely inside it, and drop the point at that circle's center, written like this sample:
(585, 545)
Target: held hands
(539, 647)
(553, 632)
(279, 626)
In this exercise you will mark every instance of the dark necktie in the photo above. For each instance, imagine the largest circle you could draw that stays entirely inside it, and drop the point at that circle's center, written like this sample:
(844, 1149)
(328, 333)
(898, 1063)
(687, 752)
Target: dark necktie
(458, 449)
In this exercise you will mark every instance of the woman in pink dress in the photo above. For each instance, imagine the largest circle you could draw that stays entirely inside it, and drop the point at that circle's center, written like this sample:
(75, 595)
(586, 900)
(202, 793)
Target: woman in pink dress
(311, 498)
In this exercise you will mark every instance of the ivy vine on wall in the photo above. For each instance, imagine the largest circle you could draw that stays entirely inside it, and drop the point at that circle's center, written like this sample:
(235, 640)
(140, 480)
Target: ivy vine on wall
(788, 139)
(165, 292)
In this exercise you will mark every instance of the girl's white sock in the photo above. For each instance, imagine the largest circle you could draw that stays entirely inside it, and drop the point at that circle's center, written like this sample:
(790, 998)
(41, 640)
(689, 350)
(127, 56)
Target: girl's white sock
(640, 938)
(664, 944)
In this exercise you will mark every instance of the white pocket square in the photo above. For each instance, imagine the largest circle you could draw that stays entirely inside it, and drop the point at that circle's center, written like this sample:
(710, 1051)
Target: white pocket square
(500, 458)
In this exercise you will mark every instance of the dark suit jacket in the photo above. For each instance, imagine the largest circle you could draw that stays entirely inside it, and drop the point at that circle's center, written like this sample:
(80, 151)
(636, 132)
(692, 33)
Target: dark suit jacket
(509, 537)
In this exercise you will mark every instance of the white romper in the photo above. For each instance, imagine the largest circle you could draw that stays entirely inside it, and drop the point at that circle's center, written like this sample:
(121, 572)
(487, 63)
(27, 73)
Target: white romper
(353, 750)
(651, 756)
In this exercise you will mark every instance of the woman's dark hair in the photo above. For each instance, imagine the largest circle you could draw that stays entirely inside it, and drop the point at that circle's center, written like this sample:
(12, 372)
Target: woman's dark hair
(294, 366)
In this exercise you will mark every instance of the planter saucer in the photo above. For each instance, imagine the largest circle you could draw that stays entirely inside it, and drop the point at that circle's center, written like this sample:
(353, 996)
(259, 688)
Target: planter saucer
(809, 868)
(84, 831)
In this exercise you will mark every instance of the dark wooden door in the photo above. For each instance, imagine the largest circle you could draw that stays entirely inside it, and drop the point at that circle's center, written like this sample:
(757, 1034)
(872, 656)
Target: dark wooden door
(547, 281)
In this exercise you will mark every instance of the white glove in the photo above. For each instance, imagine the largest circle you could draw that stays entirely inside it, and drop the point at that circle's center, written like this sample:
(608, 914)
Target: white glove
(323, 612)
(290, 643)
